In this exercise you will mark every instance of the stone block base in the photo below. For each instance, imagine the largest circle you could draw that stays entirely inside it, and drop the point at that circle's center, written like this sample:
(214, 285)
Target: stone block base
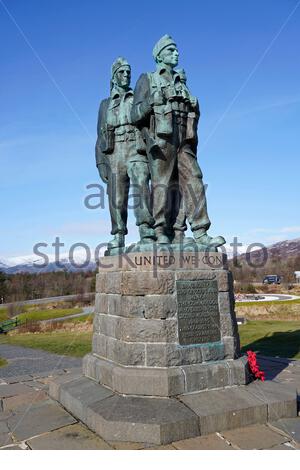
(163, 420)
(166, 381)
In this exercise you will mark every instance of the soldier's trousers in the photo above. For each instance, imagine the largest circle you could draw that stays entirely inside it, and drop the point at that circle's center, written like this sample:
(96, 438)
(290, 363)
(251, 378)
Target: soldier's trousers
(128, 169)
(177, 189)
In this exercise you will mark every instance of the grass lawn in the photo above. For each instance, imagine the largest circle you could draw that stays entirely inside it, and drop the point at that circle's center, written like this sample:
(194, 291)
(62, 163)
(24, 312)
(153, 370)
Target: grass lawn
(46, 314)
(272, 338)
(284, 310)
(3, 362)
(260, 303)
(81, 319)
(69, 343)
(3, 314)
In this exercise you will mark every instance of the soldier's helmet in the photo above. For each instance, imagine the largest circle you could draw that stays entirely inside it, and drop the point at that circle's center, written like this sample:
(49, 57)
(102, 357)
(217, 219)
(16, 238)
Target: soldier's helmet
(163, 42)
(118, 63)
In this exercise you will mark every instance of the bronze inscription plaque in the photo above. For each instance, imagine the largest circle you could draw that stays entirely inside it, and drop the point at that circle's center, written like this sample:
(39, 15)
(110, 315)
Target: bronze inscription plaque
(198, 311)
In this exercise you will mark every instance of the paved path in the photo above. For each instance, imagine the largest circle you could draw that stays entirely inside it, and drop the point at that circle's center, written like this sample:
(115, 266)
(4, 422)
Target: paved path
(29, 419)
(85, 311)
(266, 297)
(24, 361)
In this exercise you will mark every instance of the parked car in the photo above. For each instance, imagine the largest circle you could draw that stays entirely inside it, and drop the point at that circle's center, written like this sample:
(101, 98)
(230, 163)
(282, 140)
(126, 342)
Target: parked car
(272, 279)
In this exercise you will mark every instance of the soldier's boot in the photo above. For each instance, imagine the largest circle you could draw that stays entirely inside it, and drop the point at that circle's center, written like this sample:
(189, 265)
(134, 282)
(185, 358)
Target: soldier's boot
(117, 242)
(147, 234)
(161, 237)
(202, 238)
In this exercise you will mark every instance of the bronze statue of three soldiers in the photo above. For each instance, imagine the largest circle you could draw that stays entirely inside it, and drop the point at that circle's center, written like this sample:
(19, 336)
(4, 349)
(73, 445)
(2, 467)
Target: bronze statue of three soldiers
(149, 137)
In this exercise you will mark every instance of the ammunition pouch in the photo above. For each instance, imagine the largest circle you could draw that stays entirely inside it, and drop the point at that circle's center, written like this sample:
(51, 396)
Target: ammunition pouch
(163, 120)
(107, 140)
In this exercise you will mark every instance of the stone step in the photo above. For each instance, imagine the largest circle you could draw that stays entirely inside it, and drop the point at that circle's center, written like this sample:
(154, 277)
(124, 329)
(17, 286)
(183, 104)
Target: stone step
(155, 420)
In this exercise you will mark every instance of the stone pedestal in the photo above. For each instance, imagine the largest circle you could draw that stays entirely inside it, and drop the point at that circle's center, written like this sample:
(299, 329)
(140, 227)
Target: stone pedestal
(165, 362)
(165, 325)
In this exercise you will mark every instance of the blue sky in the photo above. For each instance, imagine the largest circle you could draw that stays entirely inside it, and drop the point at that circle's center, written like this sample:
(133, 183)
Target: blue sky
(242, 62)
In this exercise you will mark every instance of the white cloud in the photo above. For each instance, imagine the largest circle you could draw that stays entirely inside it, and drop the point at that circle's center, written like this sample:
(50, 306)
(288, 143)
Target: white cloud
(261, 230)
(293, 229)
(280, 230)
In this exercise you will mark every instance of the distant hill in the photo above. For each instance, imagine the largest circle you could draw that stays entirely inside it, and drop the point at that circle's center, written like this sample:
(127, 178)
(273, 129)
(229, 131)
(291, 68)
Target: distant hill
(283, 250)
(3, 266)
(282, 258)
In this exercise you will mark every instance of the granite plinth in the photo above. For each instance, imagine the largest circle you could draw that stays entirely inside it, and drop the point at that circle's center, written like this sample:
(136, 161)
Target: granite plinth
(164, 324)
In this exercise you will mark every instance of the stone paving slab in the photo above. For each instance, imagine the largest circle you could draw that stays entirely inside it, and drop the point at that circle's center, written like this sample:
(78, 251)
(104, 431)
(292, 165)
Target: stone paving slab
(41, 417)
(21, 378)
(119, 445)
(254, 437)
(11, 390)
(4, 415)
(166, 447)
(13, 447)
(290, 427)
(46, 375)
(33, 396)
(33, 361)
(5, 437)
(73, 437)
(36, 385)
(285, 446)
(211, 442)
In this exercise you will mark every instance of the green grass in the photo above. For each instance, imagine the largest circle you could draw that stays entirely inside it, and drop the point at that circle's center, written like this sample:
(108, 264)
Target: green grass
(268, 311)
(69, 343)
(3, 362)
(272, 338)
(35, 315)
(81, 319)
(259, 303)
(3, 314)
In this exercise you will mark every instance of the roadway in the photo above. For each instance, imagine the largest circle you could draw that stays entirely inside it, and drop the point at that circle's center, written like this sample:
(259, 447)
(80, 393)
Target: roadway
(46, 300)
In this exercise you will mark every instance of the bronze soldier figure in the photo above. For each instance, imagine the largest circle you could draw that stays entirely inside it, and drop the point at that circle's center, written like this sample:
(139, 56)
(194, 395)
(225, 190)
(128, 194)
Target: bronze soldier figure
(167, 115)
(121, 159)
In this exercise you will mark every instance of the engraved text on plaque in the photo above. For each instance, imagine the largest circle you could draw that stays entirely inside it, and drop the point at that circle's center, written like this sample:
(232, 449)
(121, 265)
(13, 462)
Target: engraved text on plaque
(198, 311)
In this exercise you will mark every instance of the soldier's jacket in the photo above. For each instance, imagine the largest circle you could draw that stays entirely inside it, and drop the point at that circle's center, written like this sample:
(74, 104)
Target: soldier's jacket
(115, 125)
(172, 103)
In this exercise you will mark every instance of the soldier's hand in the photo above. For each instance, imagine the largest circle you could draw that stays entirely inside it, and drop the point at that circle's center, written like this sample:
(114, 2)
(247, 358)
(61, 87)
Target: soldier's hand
(194, 101)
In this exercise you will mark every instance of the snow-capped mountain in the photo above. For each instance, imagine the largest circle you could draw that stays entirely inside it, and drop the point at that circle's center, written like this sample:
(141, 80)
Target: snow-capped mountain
(36, 264)
(280, 250)
(3, 265)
